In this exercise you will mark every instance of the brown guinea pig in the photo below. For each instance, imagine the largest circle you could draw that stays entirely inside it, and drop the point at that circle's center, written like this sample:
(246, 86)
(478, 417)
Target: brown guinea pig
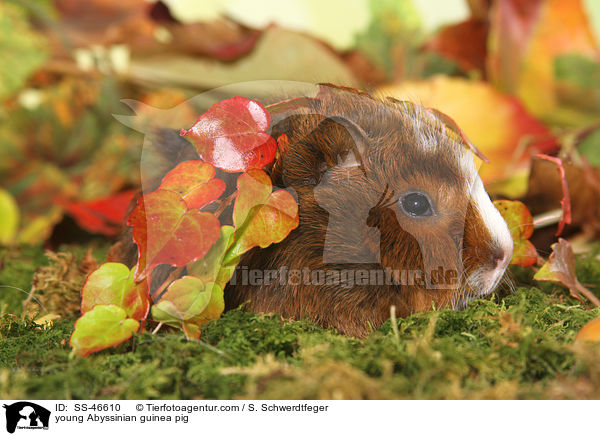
(388, 196)
(392, 213)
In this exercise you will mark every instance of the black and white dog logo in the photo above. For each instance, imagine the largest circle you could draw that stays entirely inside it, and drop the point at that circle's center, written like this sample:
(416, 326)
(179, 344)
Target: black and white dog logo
(26, 415)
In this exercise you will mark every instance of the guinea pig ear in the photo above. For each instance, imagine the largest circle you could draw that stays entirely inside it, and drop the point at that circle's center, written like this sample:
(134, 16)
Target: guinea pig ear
(315, 144)
(353, 156)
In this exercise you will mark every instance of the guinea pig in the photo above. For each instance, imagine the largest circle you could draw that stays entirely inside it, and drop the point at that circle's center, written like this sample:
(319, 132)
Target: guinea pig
(392, 212)
(388, 196)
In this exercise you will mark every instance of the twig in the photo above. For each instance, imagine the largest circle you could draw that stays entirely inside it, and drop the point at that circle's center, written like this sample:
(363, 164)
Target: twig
(547, 218)
(394, 323)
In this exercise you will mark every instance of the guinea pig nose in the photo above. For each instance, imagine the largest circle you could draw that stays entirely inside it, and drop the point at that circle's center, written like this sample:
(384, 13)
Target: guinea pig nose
(497, 256)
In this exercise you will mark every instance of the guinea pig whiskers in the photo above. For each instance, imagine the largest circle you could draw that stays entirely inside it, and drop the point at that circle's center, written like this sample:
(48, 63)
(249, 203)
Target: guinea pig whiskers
(509, 281)
(459, 300)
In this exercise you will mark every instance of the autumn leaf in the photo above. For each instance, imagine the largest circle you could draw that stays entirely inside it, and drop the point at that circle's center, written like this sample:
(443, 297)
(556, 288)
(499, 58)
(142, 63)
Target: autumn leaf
(560, 268)
(103, 215)
(231, 135)
(185, 298)
(208, 268)
(259, 216)
(102, 327)
(166, 231)
(546, 191)
(465, 43)
(106, 23)
(222, 39)
(188, 303)
(113, 283)
(566, 200)
(9, 218)
(590, 332)
(264, 61)
(254, 188)
(39, 183)
(214, 308)
(525, 40)
(520, 223)
(193, 180)
(21, 49)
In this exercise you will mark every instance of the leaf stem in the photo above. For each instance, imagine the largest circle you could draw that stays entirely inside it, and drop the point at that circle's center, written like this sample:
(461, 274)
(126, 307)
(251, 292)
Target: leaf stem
(155, 331)
(588, 294)
(225, 203)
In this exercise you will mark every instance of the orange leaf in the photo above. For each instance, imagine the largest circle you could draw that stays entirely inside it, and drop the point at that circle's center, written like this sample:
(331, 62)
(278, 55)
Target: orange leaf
(261, 218)
(520, 223)
(525, 39)
(193, 180)
(589, 332)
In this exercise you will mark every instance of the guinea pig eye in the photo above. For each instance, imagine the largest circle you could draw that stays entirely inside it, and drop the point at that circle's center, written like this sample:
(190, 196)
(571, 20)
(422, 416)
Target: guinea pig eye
(416, 204)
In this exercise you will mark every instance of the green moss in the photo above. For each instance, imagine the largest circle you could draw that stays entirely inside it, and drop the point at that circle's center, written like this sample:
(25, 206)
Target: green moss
(519, 346)
(17, 266)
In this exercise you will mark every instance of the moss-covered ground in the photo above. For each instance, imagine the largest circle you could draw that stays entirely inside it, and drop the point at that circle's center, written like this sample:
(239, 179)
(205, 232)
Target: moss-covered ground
(520, 345)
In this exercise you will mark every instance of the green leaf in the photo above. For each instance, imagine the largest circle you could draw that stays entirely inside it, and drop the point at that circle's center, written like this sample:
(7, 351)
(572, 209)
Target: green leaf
(9, 218)
(188, 303)
(102, 327)
(185, 298)
(208, 268)
(590, 148)
(113, 283)
(578, 70)
(22, 51)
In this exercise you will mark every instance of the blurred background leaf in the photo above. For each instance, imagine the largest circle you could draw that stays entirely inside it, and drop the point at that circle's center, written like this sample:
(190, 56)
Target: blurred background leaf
(22, 50)
(519, 77)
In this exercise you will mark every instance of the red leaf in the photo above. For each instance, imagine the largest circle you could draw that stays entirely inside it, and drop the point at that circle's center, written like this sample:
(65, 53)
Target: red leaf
(566, 200)
(193, 180)
(465, 43)
(231, 135)
(167, 232)
(104, 215)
